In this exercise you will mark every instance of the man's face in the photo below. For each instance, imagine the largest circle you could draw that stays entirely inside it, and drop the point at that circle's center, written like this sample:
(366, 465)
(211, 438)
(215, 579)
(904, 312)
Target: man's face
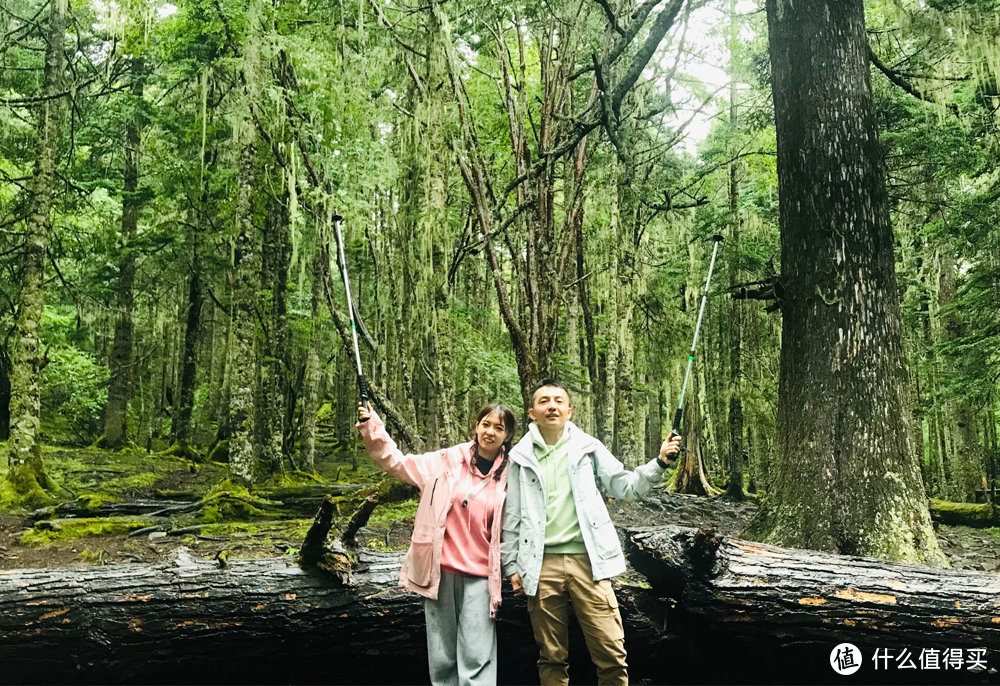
(550, 407)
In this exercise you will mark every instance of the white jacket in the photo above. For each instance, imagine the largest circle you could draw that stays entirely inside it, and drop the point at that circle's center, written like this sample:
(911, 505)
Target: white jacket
(522, 542)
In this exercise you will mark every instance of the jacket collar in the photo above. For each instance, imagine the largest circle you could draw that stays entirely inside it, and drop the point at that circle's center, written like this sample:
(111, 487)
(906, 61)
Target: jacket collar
(580, 443)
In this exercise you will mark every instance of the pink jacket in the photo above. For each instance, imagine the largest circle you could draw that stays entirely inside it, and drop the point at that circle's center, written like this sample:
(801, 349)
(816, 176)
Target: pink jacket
(436, 475)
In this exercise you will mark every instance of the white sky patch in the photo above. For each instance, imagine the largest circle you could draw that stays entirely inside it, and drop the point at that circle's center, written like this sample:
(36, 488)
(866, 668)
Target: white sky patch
(706, 61)
(166, 10)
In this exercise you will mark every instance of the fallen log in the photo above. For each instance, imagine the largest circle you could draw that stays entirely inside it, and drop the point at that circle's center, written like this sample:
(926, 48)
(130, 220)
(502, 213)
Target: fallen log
(980, 515)
(796, 605)
(719, 611)
(84, 508)
(249, 621)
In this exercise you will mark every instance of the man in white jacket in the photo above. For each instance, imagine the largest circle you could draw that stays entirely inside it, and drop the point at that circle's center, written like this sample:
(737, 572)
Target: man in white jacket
(559, 546)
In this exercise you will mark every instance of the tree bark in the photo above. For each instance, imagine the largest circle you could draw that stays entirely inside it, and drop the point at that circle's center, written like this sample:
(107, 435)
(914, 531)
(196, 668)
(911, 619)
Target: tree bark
(246, 269)
(313, 373)
(967, 459)
(4, 394)
(26, 479)
(847, 478)
(273, 386)
(797, 598)
(184, 621)
(734, 488)
(122, 374)
(189, 357)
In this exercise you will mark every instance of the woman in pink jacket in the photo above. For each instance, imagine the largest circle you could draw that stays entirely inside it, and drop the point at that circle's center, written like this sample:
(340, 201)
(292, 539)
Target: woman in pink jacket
(454, 555)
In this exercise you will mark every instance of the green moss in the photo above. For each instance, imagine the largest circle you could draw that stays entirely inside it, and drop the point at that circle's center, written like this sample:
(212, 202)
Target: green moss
(292, 479)
(227, 501)
(394, 512)
(135, 481)
(969, 514)
(219, 452)
(186, 451)
(92, 556)
(90, 501)
(65, 529)
(20, 490)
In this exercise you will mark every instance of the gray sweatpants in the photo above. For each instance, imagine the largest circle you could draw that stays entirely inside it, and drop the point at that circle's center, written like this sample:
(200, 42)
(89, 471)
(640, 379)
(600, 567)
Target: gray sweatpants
(461, 636)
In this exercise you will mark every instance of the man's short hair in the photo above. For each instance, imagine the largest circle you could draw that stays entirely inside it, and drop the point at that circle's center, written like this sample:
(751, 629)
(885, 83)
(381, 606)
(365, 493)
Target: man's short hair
(549, 381)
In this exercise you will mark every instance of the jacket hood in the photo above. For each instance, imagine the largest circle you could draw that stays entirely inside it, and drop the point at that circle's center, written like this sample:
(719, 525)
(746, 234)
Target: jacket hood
(523, 453)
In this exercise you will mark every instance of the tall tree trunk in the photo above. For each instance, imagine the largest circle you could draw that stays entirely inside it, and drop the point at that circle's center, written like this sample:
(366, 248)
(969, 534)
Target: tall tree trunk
(122, 374)
(4, 394)
(847, 477)
(189, 357)
(246, 272)
(272, 390)
(654, 418)
(967, 465)
(628, 409)
(433, 224)
(734, 489)
(313, 373)
(26, 480)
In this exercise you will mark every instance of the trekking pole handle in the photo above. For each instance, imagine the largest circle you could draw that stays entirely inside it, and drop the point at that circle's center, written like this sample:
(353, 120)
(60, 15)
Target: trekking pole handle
(675, 430)
(363, 392)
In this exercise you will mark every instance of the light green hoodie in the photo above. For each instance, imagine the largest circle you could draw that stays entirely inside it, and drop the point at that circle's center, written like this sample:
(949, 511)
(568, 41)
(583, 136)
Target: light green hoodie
(562, 526)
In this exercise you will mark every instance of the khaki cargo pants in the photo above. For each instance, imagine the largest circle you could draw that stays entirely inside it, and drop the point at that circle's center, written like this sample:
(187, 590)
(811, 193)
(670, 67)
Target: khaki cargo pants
(568, 580)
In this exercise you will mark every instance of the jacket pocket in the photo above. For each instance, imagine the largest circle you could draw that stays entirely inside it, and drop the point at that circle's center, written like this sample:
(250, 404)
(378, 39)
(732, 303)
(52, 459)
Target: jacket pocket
(606, 539)
(421, 556)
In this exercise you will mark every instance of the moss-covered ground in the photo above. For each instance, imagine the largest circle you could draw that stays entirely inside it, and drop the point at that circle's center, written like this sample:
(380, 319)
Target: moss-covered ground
(83, 526)
(271, 519)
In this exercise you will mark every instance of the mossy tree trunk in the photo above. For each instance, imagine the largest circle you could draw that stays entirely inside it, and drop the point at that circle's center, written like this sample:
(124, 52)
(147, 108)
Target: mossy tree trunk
(4, 394)
(431, 209)
(628, 401)
(246, 270)
(734, 489)
(122, 372)
(192, 332)
(313, 372)
(272, 394)
(967, 459)
(26, 480)
(847, 477)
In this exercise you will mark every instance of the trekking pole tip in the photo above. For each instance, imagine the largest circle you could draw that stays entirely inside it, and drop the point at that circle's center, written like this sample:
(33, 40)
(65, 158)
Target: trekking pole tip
(717, 237)
(336, 217)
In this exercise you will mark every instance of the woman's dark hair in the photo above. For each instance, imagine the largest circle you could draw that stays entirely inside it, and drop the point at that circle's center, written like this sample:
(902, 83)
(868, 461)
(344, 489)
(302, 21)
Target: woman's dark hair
(509, 425)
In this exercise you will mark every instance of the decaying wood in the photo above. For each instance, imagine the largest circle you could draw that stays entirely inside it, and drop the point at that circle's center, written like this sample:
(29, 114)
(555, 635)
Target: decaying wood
(193, 620)
(978, 515)
(788, 597)
(775, 614)
(248, 621)
(359, 519)
(136, 507)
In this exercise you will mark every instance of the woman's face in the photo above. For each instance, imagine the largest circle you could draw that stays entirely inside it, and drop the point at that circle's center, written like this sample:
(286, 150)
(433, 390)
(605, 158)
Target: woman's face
(490, 434)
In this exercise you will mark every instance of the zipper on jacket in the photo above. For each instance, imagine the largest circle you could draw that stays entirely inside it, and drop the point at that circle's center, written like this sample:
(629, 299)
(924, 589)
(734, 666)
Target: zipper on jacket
(434, 488)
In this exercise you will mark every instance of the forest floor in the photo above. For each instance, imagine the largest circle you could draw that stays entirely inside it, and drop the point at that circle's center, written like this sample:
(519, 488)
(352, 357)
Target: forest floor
(94, 480)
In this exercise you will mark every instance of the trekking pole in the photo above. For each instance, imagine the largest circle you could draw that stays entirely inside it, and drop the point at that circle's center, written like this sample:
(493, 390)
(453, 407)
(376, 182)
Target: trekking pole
(342, 263)
(679, 413)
